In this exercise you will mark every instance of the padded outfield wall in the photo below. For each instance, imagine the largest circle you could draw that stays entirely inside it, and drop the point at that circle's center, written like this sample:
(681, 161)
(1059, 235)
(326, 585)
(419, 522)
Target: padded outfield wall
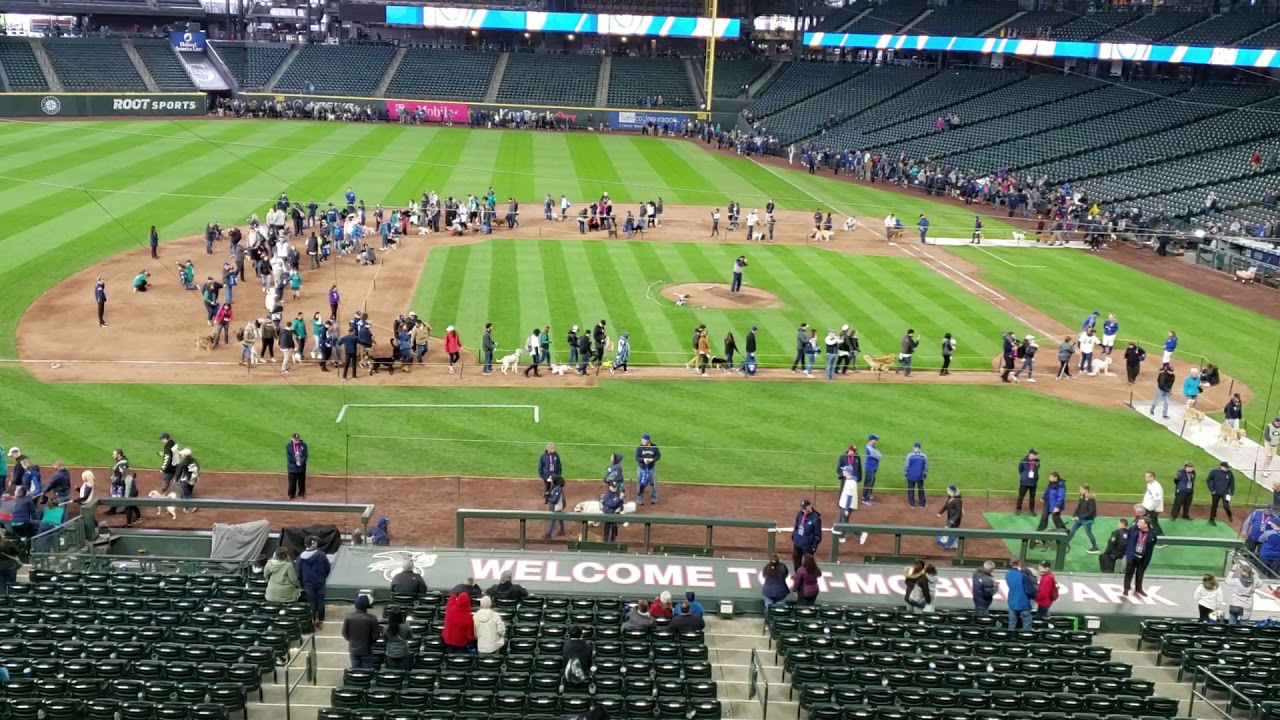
(71, 105)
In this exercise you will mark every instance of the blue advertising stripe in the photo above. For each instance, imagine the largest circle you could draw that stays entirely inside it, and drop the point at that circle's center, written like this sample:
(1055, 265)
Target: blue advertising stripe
(557, 22)
(404, 15)
(1188, 55)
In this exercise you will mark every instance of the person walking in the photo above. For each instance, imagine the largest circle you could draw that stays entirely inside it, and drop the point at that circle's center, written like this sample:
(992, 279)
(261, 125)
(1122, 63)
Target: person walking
(1191, 387)
(730, 350)
(1055, 502)
(1184, 488)
(452, 346)
(1065, 350)
(806, 580)
(647, 457)
(1008, 353)
(953, 511)
(948, 349)
(915, 469)
(555, 503)
(806, 533)
(802, 342)
(296, 454)
(831, 344)
(1085, 514)
(1222, 485)
(100, 297)
(871, 466)
(739, 264)
(1233, 411)
(1164, 387)
(1046, 590)
(361, 630)
(487, 346)
(1028, 480)
(313, 573)
(906, 350)
(1133, 357)
(1027, 352)
(1153, 501)
(984, 589)
(1137, 556)
(1021, 587)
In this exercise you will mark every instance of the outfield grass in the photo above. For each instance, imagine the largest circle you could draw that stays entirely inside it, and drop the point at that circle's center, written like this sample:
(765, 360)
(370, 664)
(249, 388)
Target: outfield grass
(577, 283)
(1243, 343)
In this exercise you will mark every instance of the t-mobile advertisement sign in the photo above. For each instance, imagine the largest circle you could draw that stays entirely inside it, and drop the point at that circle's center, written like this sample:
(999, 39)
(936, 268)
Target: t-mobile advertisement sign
(431, 111)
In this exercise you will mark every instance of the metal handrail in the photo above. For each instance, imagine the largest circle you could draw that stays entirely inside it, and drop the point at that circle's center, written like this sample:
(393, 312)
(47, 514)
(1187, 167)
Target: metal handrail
(1202, 672)
(309, 672)
(754, 672)
(364, 510)
(93, 562)
(55, 539)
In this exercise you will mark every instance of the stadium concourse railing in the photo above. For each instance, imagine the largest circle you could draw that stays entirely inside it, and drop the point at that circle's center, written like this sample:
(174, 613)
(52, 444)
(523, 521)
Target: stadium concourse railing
(1024, 538)
(585, 520)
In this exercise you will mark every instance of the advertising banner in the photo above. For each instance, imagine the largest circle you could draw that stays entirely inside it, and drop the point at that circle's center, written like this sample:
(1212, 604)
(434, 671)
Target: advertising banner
(188, 41)
(432, 111)
(636, 120)
(54, 105)
(562, 22)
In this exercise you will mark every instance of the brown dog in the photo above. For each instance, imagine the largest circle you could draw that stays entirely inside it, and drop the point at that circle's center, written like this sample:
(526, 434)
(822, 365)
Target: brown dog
(204, 342)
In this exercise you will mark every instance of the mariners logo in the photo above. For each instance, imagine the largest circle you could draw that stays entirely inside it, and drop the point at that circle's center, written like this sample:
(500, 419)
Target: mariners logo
(392, 562)
(50, 105)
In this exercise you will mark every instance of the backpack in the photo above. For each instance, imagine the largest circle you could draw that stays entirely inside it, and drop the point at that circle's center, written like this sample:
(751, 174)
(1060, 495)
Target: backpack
(1053, 591)
(1029, 583)
(1142, 354)
(573, 672)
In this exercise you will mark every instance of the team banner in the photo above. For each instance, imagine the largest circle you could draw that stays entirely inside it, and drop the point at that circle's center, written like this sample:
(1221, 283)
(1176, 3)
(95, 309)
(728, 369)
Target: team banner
(55, 105)
(431, 111)
(191, 41)
(1137, 52)
(637, 120)
(558, 22)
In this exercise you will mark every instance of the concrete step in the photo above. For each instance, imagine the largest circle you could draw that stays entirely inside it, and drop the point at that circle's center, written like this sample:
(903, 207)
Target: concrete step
(272, 711)
(303, 694)
(751, 710)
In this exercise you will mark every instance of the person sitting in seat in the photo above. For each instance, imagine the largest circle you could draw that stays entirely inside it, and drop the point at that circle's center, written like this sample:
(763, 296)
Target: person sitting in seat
(578, 659)
(507, 590)
(638, 617)
(408, 582)
(686, 620)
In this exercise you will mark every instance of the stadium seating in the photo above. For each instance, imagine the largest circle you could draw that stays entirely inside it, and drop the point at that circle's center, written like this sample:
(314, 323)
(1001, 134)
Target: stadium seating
(861, 663)
(632, 79)
(1241, 657)
(20, 63)
(164, 65)
(1088, 27)
(1267, 38)
(866, 90)
(361, 69)
(1225, 29)
(1035, 24)
(540, 78)
(968, 18)
(799, 80)
(888, 18)
(251, 65)
(1154, 26)
(731, 75)
(93, 64)
(443, 74)
(838, 17)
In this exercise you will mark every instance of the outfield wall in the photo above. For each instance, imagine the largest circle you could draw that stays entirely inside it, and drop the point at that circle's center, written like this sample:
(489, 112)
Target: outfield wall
(53, 104)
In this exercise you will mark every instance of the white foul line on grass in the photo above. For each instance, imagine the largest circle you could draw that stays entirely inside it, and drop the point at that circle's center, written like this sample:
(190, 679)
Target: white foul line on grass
(537, 411)
(1006, 262)
(991, 294)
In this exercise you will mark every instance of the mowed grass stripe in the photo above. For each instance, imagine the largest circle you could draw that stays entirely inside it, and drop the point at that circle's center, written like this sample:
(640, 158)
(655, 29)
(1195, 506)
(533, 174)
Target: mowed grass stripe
(648, 169)
(513, 171)
(596, 172)
(447, 287)
(555, 175)
(971, 316)
(768, 183)
(617, 287)
(587, 290)
(473, 173)
(663, 323)
(673, 171)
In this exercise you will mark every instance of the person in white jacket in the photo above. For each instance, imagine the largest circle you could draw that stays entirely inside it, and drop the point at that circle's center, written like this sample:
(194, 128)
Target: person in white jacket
(1153, 502)
(1208, 596)
(491, 631)
(1239, 594)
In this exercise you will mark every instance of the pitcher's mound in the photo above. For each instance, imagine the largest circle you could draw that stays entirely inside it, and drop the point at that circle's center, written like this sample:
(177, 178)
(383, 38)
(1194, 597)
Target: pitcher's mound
(717, 295)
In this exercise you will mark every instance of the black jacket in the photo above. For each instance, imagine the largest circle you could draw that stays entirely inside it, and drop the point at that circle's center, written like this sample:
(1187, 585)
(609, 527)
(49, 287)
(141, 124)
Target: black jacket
(582, 650)
(1221, 482)
(508, 591)
(167, 456)
(953, 509)
(687, 623)
(751, 343)
(361, 630)
(1086, 509)
(1164, 381)
(1117, 544)
(408, 582)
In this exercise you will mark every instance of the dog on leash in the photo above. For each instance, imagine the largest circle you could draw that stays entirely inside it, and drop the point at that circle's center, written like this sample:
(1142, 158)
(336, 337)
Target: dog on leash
(1231, 436)
(559, 369)
(171, 509)
(205, 342)
(1019, 236)
(1194, 414)
(593, 506)
(387, 362)
(511, 362)
(1102, 366)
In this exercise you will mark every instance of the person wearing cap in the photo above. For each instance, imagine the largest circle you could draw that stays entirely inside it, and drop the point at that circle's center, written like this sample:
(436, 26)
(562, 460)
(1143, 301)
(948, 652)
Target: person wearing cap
(1028, 480)
(748, 365)
(571, 341)
(168, 457)
(847, 354)
(408, 583)
(1027, 352)
(915, 469)
(1090, 321)
(806, 533)
(906, 350)
(870, 467)
(953, 511)
(690, 605)
(1008, 352)
(1055, 502)
(1110, 328)
(647, 457)
(419, 336)
(1184, 487)
(1222, 485)
(452, 346)
(661, 606)
(1270, 441)
(295, 458)
(361, 630)
(612, 498)
(948, 349)
(313, 568)
(831, 344)
(506, 589)
(984, 589)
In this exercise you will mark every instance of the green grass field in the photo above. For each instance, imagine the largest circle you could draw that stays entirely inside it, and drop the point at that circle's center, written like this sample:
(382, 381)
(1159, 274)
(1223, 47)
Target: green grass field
(75, 193)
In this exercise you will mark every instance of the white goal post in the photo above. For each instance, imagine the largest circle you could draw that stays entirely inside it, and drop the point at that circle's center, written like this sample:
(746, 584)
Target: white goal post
(537, 411)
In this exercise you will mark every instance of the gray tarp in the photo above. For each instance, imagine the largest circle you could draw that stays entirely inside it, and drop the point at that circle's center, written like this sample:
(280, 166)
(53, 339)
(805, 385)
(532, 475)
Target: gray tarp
(241, 541)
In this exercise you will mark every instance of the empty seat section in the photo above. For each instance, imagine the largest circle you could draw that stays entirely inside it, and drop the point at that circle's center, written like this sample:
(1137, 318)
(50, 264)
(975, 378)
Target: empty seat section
(1153, 26)
(164, 65)
(20, 64)
(965, 18)
(1222, 30)
(551, 79)
(1035, 24)
(799, 80)
(1096, 24)
(864, 91)
(731, 75)
(443, 74)
(631, 80)
(93, 64)
(337, 69)
(252, 65)
(887, 18)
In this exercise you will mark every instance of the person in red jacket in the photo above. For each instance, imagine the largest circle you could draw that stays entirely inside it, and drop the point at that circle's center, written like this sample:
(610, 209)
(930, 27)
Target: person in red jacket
(661, 606)
(1046, 590)
(453, 346)
(459, 631)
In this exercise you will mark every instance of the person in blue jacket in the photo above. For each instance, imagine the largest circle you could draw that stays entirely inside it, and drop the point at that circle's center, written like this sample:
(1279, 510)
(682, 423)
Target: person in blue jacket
(1268, 547)
(611, 501)
(1256, 524)
(1110, 328)
(1137, 556)
(915, 470)
(1028, 479)
(647, 457)
(806, 534)
(1017, 582)
(1170, 344)
(1055, 501)
(870, 466)
(313, 568)
(1090, 321)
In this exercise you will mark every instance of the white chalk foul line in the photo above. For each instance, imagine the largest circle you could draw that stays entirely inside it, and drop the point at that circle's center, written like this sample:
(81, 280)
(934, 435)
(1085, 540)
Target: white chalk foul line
(1006, 262)
(537, 411)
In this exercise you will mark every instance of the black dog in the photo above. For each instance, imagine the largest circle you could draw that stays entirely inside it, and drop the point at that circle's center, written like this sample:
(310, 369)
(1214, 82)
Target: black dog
(374, 363)
(717, 362)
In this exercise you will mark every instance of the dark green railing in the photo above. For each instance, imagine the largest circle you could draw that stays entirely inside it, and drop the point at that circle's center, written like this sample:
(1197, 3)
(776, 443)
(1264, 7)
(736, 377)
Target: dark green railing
(93, 562)
(584, 520)
(363, 510)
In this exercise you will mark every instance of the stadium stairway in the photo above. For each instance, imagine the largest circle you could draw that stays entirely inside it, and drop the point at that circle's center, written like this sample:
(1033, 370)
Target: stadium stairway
(280, 71)
(854, 19)
(392, 67)
(602, 85)
(906, 28)
(46, 66)
(140, 66)
(495, 79)
(730, 642)
(1124, 648)
(696, 76)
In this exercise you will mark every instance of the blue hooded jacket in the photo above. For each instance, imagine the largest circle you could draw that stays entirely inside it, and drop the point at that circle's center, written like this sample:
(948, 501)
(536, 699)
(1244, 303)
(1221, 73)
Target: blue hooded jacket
(1015, 580)
(381, 533)
(916, 468)
(1055, 495)
(1269, 550)
(313, 567)
(872, 463)
(1256, 524)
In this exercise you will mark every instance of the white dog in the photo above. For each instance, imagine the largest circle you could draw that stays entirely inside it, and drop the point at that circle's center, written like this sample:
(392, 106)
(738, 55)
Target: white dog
(511, 362)
(172, 509)
(1019, 236)
(558, 369)
(1102, 366)
(593, 506)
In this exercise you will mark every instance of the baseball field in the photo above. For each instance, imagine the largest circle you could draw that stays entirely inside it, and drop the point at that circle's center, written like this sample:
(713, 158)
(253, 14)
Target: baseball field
(79, 198)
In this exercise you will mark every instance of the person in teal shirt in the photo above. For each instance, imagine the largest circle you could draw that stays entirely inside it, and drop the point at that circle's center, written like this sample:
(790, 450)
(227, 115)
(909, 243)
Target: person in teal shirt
(295, 284)
(299, 328)
(140, 281)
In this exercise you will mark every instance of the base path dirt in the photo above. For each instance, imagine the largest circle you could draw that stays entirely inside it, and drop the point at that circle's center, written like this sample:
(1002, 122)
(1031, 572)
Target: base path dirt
(718, 295)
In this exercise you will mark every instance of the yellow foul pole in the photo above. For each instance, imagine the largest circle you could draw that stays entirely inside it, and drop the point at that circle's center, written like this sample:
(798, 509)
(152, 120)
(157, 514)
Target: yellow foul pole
(708, 82)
